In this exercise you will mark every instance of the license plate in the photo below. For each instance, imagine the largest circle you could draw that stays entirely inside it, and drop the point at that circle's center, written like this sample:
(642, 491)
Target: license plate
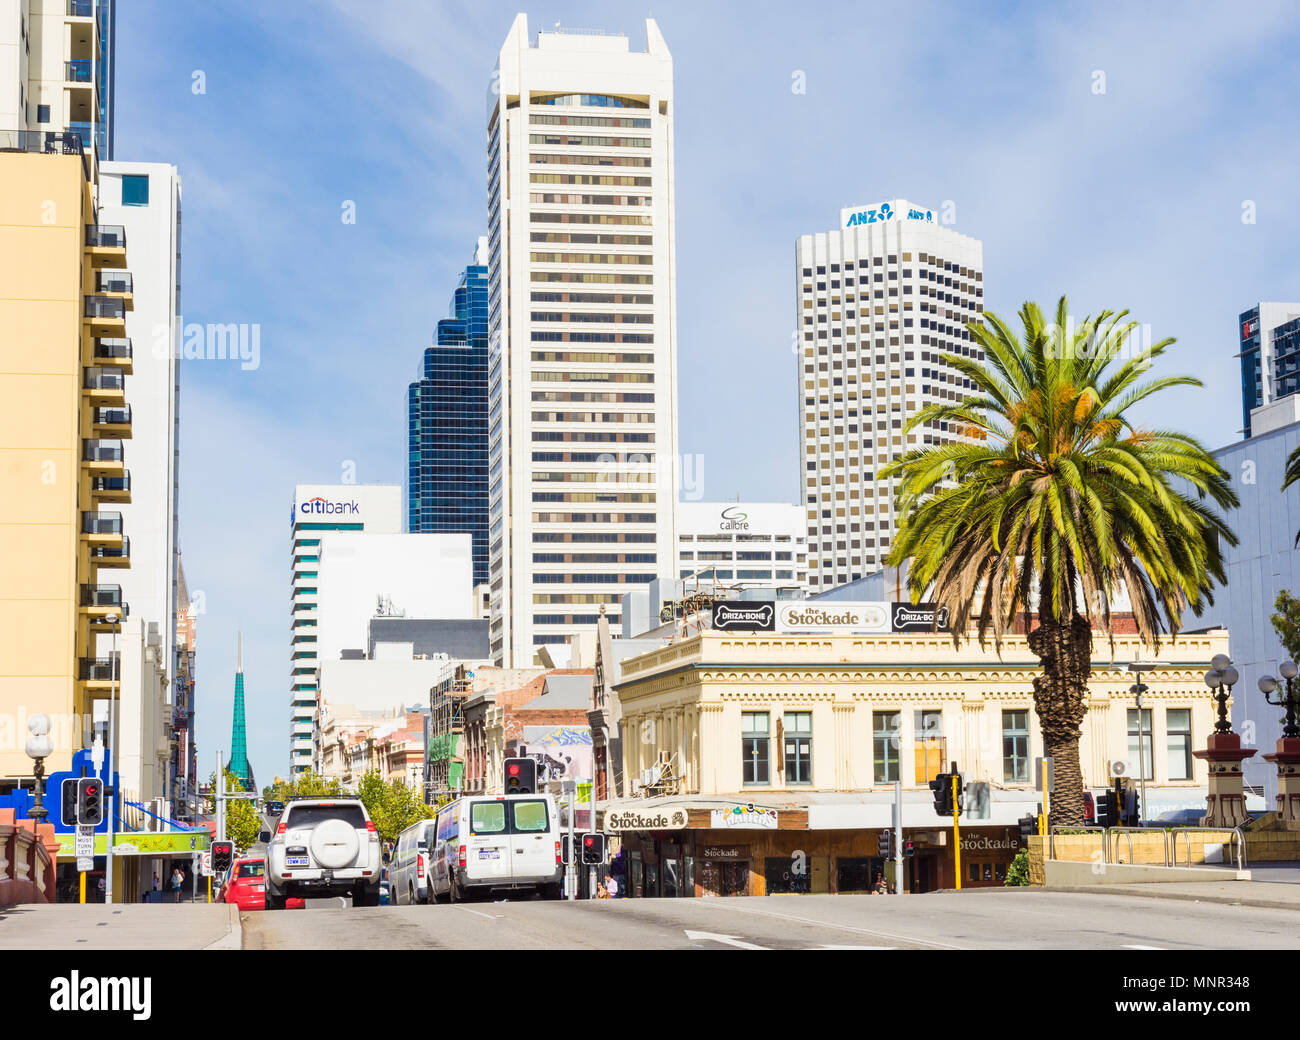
(489, 853)
(295, 861)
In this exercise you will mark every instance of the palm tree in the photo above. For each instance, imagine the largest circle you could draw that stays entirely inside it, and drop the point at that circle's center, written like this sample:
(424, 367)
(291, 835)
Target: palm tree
(1292, 475)
(1056, 504)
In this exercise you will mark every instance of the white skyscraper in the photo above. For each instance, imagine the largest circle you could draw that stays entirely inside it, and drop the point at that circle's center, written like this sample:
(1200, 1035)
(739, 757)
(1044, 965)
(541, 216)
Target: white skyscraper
(878, 302)
(317, 510)
(145, 199)
(582, 331)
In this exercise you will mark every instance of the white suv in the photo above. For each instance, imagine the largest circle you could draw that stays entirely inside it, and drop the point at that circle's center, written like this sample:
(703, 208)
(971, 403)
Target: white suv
(323, 847)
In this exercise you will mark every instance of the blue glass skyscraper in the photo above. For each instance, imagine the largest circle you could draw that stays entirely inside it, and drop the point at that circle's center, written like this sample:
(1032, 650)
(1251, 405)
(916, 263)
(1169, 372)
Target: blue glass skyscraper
(447, 485)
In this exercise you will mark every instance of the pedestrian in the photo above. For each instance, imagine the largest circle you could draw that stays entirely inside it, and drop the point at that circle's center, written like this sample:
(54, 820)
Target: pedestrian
(601, 891)
(880, 888)
(178, 879)
(611, 886)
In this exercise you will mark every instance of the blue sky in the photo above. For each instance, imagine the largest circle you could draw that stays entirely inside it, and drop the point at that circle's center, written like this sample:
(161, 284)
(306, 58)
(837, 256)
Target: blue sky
(1132, 198)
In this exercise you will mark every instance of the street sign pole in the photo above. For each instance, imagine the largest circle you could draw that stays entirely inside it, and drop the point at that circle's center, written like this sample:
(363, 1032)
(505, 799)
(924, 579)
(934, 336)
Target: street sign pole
(898, 837)
(956, 826)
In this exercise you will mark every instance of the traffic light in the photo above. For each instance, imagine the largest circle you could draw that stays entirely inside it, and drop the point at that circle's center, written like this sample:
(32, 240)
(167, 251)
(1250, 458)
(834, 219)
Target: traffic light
(1132, 808)
(1108, 809)
(565, 856)
(885, 844)
(90, 801)
(593, 848)
(521, 776)
(1028, 828)
(961, 794)
(68, 795)
(223, 855)
(941, 787)
(909, 848)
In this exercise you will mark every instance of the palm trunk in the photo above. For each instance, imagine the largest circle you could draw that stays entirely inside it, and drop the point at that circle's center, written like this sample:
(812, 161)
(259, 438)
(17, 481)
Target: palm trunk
(1060, 699)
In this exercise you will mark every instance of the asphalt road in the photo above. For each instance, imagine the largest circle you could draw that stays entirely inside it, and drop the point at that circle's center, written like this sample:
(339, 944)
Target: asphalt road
(986, 920)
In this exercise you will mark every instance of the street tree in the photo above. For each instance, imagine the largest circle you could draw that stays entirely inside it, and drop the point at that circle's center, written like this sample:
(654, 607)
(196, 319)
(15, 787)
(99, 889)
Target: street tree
(1058, 502)
(243, 822)
(392, 806)
(1286, 622)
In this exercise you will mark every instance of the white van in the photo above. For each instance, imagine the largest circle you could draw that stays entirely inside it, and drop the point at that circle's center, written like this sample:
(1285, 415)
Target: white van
(408, 872)
(496, 843)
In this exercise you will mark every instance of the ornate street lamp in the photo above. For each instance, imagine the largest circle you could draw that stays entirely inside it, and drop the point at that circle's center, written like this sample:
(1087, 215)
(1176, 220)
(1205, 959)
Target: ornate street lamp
(39, 747)
(1288, 700)
(1221, 678)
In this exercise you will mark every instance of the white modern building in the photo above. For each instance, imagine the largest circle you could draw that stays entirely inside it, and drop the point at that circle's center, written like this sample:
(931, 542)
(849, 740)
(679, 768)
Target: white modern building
(362, 575)
(878, 303)
(742, 545)
(582, 331)
(56, 74)
(145, 199)
(319, 509)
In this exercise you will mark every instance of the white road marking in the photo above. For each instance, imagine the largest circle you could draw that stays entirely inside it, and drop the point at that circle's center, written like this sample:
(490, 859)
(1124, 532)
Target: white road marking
(480, 913)
(1135, 946)
(728, 905)
(826, 946)
(729, 940)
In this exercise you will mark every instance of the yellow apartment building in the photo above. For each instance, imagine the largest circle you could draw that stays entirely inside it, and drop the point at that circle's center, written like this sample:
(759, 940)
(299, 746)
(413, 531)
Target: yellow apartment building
(64, 358)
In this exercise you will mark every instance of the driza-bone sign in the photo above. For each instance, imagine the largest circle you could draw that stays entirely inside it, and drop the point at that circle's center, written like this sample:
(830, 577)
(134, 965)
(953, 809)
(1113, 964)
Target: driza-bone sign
(744, 617)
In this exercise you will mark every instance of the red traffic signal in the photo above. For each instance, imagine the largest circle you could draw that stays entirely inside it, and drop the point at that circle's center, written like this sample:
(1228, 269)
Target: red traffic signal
(223, 855)
(593, 848)
(521, 776)
(90, 801)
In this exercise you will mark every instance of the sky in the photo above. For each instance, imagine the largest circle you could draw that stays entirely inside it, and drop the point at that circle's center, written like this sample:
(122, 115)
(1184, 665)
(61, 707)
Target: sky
(1134, 157)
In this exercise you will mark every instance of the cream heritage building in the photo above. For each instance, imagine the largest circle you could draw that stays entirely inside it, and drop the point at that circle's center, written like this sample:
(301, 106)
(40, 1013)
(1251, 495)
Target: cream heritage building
(582, 422)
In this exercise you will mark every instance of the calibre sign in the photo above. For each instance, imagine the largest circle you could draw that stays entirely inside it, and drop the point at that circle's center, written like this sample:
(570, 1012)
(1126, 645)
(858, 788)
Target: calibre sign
(635, 820)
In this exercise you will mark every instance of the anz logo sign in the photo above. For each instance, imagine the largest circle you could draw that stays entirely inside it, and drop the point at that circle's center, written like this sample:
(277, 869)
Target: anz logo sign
(885, 212)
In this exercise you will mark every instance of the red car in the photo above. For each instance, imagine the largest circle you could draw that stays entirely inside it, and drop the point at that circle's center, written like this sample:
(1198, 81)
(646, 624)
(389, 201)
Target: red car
(246, 884)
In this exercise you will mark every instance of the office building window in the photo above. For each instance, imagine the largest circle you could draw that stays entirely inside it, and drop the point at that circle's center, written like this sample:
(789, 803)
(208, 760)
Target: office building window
(1178, 733)
(754, 741)
(885, 725)
(1146, 757)
(135, 190)
(42, 113)
(798, 747)
(1015, 746)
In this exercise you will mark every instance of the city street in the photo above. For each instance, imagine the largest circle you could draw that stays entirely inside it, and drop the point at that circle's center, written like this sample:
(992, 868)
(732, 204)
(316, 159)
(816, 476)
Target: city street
(994, 919)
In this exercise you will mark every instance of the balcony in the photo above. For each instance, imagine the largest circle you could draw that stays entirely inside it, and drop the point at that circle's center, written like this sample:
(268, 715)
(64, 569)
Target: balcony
(104, 386)
(98, 601)
(112, 422)
(115, 488)
(99, 669)
(106, 314)
(112, 555)
(114, 352)
(101, 524)
(102, 455)
(44, 142)
(107, 245)
(115, 282)
(81, 8)
(80, 70)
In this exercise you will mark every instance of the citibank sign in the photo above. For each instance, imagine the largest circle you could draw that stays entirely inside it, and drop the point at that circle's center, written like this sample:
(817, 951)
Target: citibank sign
(318, 506)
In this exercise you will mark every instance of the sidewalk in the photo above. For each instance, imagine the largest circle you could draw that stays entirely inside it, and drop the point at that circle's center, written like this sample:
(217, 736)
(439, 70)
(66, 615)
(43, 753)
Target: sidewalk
(130, 926)
(1272, 895)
